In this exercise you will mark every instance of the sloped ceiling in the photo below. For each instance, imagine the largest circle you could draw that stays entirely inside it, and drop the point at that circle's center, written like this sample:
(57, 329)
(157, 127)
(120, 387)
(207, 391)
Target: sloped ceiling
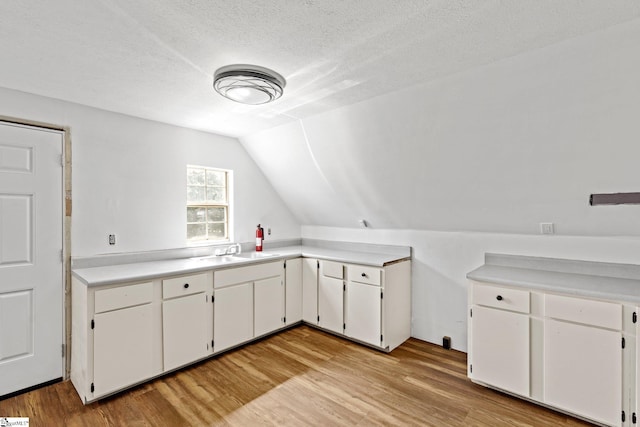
(155, 58)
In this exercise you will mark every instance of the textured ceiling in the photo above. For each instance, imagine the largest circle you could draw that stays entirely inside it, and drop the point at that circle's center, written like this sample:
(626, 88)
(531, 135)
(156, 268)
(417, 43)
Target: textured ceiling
(155, 58)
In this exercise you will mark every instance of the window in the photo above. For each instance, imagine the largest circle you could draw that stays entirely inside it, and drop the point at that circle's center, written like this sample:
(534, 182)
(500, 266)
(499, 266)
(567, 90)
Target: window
(207, 204)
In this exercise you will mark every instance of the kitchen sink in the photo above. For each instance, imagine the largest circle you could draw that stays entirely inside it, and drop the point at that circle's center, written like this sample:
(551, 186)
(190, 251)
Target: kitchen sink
(255, 255)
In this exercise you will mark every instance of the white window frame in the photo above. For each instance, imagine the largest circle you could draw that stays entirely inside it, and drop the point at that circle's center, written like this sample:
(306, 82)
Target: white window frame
(226, 204)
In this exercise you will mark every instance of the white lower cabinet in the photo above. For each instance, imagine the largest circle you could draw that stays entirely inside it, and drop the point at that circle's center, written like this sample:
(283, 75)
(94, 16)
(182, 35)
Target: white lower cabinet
(248, 303)
(310, 267)
(186, 336)
(564, 351)
(363, 314)
(268, 305)
(500, 348)
(122, 348)
(233, 316)
(331, 287)
(293, 291)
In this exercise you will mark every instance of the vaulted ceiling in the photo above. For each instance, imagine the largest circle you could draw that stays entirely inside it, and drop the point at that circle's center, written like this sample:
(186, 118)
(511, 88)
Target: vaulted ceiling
(155, 58)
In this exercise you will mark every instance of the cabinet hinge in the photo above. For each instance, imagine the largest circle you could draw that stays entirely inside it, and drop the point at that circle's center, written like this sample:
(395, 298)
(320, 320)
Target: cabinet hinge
(471, 312)
(213, 299)
(93, 324)
(471, 369)
(318, 318)
(623, 417)
(92, 388)
(344, 287)
(61, 255)
(381, 338)
(61, 160)
(623, 342)
(206, 298)
(285, 264)
(344, 326)
(63, 347)
(284, 319)
(633, 418)
(381, 295)
(635, 317)
(318, 264)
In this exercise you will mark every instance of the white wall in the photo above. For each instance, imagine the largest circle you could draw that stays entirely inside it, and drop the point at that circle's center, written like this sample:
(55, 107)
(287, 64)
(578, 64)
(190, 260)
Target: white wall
(499, 148)
(129, 178)
(473, 163)
(441, 261)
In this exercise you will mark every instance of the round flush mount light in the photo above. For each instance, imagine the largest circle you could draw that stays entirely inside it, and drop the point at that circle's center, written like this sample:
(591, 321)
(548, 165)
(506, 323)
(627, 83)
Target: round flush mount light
(248, 84)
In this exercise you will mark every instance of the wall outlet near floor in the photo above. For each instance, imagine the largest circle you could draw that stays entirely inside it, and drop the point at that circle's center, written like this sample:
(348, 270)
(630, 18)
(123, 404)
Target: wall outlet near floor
(112, 239)
(546, 228)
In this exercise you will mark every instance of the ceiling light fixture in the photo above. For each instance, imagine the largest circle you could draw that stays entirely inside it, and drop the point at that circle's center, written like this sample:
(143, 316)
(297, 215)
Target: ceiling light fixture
(248, 84)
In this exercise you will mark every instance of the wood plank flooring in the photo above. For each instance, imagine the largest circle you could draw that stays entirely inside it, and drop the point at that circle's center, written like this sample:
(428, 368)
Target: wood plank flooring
(300, 377)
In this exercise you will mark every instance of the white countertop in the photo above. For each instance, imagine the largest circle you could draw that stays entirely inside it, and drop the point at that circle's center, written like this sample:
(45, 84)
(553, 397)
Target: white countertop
(618, 282)
(119, 273)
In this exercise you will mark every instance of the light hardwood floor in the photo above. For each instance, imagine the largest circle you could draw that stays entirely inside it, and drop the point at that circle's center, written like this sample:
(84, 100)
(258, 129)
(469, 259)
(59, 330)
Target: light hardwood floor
(298, 377)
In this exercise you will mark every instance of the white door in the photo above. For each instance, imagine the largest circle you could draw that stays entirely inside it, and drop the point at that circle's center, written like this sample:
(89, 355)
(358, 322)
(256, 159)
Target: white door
(363, 312)
(293, 291)
(184, 336)
(233, 316)
(500, 349)
(268, 305)
(583, 370)
(331, 304)
(31, 269)
(310, 290)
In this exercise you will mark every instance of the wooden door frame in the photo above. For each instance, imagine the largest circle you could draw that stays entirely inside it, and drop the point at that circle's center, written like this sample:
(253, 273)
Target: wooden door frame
(66, 230)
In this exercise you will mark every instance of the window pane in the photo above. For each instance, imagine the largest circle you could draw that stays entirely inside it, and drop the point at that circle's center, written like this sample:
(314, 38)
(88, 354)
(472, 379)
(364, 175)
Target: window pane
(195, 176)
(196, 231)
(195, 194)
(215, 214)
(217, 231)
(195, 214)
(216, 194)
(216, 178)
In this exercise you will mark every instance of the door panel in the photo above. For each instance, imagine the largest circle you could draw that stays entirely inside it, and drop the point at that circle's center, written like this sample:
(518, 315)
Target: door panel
(363, 312)
(233, 316)
(269, 305)
(16, 326)
(330, 304)
(31, 269)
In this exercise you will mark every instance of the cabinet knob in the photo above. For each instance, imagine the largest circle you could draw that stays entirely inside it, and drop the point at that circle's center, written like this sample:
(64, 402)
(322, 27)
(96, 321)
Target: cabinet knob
(186, 285)
(364, 274)
(499, 297)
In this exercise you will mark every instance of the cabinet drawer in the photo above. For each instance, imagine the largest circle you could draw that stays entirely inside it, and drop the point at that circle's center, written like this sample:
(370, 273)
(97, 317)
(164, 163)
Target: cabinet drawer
(589, 312)
(331, 269)
(368, 275)
(185, 285)
(122, 297)
(505, 298)
(250, 273)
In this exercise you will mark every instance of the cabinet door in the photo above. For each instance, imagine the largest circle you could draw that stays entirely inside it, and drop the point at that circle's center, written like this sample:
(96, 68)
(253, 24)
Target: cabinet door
(363, 312)
(122, 348)
(269, 305)
(233, 316)
(583, 370)
(500, 349)
(330, 303)
(184, 331)
(293, 291)
(310, 290)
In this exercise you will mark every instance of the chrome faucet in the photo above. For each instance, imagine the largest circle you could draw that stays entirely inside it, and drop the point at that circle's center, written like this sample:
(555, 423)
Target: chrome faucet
(234, 249)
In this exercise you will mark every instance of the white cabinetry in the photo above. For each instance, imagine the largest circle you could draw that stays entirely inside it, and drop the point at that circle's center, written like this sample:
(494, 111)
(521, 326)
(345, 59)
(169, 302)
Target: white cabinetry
(186, 330)
(310, 268)
(564, 351)
(369, 304)
(499, 344)
(116, 338)
(248, 302)
(583, 357)
(293, 291)
(331, 296)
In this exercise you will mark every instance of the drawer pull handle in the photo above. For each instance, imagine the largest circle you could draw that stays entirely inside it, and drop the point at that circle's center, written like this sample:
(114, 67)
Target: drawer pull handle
(499, 297)
(364, 274)
(186, 286)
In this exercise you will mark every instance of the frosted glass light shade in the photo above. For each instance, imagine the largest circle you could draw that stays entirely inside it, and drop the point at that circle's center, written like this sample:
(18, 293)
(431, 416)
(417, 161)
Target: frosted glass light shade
(248, 84)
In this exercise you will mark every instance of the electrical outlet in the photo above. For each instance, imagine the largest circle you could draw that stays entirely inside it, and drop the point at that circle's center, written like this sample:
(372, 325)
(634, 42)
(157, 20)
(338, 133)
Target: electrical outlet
(112, 239)
(546, 228)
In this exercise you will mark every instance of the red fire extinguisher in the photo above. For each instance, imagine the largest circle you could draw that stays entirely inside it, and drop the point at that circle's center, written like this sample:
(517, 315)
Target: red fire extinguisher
(259, 238)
